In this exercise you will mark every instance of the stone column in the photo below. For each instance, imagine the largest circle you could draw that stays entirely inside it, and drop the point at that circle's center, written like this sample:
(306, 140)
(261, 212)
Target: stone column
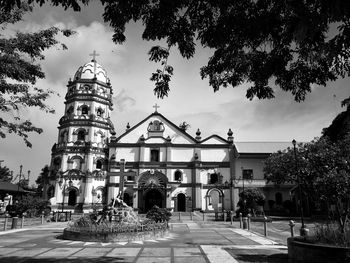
(88, 191)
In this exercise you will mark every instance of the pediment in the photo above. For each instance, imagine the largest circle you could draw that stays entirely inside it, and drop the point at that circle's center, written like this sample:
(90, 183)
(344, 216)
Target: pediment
(156, 129)
(214, 139)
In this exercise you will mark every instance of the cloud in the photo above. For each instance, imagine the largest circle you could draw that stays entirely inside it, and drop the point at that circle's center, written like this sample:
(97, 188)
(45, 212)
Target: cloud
(122, 101)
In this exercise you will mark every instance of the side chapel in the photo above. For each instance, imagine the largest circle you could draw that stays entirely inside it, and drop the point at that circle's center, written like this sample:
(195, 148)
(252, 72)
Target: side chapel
(154, 162)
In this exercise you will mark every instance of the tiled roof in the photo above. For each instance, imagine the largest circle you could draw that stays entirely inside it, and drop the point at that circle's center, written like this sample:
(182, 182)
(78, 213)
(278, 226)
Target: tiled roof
(261, 147)
(6, 186)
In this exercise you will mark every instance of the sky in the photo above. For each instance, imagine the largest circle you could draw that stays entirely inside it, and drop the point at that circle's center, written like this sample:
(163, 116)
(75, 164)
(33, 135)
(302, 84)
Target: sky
(191, 99)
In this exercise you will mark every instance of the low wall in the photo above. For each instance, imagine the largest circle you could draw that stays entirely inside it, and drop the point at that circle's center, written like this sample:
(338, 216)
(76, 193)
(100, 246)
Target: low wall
(302, 252)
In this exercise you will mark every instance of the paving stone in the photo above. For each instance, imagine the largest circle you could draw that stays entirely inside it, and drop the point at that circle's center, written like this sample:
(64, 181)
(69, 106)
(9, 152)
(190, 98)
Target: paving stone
(187, 252)
(92, 252)
(28, 252)
(7, 250)
(124, 252)
(59, 252)
(189, 260)
(156, 252)
(153, 260)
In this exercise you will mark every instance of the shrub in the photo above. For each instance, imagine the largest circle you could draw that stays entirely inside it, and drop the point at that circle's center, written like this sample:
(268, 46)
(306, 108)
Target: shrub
(331, 234)
(32, 206)
(158, 214)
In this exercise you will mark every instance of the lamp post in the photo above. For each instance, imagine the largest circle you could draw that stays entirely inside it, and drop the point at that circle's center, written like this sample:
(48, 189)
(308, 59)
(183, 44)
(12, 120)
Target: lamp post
(64, 188)
(236, 181)
(19, 180)
(303, 230)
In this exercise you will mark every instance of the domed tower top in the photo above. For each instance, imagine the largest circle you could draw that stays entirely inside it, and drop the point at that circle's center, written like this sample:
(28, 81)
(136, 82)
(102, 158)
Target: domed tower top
(92, 70)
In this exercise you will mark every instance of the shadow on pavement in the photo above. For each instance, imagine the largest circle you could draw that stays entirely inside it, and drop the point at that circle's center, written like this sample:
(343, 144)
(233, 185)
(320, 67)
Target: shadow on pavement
(262, 258)
(14, 259)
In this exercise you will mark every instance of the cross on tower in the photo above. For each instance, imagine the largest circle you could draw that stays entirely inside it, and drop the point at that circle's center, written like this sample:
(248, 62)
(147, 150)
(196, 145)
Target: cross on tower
(156, 107)
(94, 55)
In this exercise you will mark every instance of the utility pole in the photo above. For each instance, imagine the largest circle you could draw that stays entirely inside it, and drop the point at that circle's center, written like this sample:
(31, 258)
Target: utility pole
(19, 181)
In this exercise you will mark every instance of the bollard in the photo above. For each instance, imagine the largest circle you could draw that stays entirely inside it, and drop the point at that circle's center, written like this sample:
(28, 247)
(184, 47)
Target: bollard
(240, 221)
(203, 216)
(14, 222)
(22, 221)
(6, 219)
(191, 216)
(231, 215)
(265, 226)
(225, 215)
(304, 231)
(292, 225)
(56, 216)
(248, 222)
(179, 216)
(245, 222)
(42, 217)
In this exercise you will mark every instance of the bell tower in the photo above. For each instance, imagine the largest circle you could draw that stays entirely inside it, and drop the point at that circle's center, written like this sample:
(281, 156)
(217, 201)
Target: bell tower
(79, 158)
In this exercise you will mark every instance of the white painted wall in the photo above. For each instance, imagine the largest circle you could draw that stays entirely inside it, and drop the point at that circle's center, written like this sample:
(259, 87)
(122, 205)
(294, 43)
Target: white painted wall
(181, 154)
(214, 155)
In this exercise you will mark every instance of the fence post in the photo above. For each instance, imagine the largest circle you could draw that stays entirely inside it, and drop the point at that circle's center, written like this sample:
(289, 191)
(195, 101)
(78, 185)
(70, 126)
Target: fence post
(6, 219)
(240, 220)
(265, 226)
(42, 217)
(231, 217)
(292, 225)
(245, 222)
(248, 222)
(14, 222)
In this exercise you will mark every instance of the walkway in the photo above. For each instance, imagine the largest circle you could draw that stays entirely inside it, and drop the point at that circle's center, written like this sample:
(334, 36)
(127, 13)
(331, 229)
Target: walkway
(187, 242)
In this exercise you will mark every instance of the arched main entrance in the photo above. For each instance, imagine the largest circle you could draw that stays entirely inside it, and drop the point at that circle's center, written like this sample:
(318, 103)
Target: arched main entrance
(153, 197)
(181, 202)
(72, 197)
(152, 187)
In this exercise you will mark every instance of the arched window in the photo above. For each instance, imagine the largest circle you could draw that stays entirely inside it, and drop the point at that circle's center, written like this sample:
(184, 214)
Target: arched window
(178, 175)
(84, 110)
(99, 112)
(99, 164)
(81, 135)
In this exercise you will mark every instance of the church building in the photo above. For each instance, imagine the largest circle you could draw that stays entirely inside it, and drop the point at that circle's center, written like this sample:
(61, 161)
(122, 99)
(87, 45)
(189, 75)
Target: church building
(154, 162)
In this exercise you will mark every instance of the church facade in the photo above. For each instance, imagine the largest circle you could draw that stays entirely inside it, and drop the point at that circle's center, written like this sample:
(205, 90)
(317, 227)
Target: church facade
(154, 162)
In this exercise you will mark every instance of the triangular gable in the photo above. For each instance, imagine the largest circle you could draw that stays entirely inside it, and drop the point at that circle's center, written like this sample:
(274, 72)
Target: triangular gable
(176, 135)
(214, 139)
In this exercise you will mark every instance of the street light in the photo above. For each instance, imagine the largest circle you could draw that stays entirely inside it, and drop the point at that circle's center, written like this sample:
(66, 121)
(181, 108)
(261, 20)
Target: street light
(303, 230)
(60, 183)
(236, 181)
(19, 180)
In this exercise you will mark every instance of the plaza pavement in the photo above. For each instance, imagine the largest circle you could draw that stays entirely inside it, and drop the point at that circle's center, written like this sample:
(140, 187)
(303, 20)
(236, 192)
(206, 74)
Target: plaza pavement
(187, 241)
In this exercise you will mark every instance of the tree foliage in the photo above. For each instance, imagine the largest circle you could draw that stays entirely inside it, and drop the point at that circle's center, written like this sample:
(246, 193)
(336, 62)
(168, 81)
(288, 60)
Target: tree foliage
(291, 44)
(19, 72)
(250, 198)
(43, 178)
(5, 174)
(324, 170)
(340, 126)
